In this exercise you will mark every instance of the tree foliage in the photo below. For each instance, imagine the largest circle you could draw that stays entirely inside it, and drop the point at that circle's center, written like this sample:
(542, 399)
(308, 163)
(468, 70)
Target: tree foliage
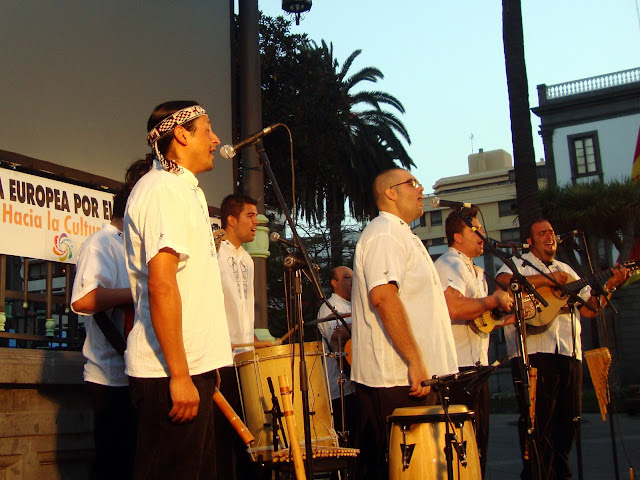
(343, 136)
(604, 211)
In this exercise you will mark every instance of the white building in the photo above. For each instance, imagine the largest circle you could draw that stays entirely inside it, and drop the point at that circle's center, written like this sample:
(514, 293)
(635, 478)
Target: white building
(589, 127)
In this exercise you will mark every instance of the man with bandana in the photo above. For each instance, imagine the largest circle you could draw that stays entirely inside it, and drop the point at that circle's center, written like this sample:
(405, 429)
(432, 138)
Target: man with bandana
(180, 336)
(401, 331)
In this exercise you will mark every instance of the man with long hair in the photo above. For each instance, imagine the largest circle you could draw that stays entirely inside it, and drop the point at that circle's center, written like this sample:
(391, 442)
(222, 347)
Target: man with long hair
(180, 336)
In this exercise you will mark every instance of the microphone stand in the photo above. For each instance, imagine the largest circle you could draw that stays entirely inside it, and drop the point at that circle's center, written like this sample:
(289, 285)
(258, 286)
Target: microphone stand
(584, 254)
(315, 282)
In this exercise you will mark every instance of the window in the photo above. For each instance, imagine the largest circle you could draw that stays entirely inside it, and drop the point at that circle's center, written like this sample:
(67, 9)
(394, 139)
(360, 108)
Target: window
(584, 153)
(438, 241)
(510, 235)
(436, 218)
(506, 208)
(418, 222)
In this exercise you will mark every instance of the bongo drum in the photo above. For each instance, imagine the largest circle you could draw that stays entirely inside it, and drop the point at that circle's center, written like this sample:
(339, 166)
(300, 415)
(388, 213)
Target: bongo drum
(416, 447)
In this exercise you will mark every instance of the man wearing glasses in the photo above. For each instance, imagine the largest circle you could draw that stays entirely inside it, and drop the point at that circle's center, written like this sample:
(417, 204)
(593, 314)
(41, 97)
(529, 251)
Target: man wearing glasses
(401, 327)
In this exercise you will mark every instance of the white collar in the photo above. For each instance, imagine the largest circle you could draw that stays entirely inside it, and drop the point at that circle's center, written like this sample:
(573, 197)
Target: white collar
(182, 173)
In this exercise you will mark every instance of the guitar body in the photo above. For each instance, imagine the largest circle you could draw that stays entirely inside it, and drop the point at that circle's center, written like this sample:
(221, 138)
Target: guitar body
(556, 299)
(491, 320)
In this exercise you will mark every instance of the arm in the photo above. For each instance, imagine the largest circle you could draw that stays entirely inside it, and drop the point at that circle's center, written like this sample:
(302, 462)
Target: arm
(100, 299)
(165, 305)
(465, 308)
(387, 302)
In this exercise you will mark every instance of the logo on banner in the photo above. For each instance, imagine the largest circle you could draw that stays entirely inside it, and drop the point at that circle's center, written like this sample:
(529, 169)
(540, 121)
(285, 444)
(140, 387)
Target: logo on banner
(63, 247)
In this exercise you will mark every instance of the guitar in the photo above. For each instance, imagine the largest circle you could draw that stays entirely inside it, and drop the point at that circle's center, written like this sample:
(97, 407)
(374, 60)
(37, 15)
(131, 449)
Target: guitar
(557, 299)
(492, 319)
(539, 318)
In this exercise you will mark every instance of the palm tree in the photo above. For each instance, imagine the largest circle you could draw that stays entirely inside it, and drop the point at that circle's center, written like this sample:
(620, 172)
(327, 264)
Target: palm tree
(373, 144)
(521, 136)
(342, 135)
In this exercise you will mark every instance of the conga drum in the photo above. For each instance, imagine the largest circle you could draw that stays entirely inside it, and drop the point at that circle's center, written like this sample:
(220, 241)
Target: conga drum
(417, 444)
(254, 367)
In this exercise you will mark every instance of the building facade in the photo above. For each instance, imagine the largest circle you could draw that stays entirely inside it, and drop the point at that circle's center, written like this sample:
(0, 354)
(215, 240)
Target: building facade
(589, 127)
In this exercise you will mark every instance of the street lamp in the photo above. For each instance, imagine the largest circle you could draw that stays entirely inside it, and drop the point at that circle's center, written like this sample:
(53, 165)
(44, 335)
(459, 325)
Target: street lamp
(296, 7)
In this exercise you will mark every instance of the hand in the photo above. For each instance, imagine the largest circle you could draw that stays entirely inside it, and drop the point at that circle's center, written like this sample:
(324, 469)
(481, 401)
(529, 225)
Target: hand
(560, 277)
(509, 320)
(418, 373)
(184, 398)
(618, 277)
(505, 300)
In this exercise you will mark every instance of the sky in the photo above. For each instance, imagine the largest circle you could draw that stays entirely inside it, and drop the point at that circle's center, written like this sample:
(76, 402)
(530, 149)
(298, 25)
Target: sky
(445, 62)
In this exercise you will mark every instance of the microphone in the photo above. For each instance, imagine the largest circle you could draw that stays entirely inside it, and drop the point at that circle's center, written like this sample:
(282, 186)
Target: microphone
(519, 246)
(228, 151)
(438, 202)
(567, 236)
(275, 237)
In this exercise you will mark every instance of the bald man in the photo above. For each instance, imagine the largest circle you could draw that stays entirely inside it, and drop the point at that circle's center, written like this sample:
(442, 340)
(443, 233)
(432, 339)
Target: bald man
(401, 327)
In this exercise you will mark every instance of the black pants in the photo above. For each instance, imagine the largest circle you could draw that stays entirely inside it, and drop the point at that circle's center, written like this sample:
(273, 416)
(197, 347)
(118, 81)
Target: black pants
(477, 401)
(375, 405)
(114, 432)
(167, 450)
(558, 406)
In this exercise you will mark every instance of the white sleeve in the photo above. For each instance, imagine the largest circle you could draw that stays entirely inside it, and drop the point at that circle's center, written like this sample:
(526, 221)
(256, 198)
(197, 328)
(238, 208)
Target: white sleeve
(385, 261)
(165, 223)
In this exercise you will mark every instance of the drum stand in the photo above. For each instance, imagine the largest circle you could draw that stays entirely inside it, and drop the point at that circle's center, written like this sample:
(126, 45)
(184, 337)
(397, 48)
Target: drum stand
(450, 438)
(276, 419)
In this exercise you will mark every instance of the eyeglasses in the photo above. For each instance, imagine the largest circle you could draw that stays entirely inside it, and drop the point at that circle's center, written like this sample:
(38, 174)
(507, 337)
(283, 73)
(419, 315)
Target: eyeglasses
(412, 181)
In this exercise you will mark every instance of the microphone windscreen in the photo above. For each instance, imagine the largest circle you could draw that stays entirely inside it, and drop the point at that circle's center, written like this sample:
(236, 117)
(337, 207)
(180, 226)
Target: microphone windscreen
(227, 152)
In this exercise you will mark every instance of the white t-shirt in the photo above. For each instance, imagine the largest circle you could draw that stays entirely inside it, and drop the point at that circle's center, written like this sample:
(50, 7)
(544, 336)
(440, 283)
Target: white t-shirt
(389, 252)
(458, 271)
(561, 333)
(236, 271)
(101, 264)
(168, 210)
(326, 330)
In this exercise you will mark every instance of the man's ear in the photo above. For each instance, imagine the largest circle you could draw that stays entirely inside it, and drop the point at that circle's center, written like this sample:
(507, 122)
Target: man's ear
(232, 221)
(334, 283)
(390, 193)
(180, 134)
(457, 238)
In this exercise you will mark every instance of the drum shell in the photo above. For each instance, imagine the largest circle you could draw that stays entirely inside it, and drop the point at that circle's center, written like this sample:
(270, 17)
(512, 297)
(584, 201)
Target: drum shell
(253, 368)
(426, 429)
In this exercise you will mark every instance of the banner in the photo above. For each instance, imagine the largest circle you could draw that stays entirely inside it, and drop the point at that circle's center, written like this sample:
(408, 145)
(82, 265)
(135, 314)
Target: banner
(48, 219)
(635, 166)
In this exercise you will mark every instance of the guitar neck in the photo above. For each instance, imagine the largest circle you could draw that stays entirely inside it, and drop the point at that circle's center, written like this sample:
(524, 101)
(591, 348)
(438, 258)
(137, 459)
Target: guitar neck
(603, 275)
(583, 282)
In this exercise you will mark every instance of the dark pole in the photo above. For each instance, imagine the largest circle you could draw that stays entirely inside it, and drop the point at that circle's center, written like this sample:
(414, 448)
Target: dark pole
(250, 101)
